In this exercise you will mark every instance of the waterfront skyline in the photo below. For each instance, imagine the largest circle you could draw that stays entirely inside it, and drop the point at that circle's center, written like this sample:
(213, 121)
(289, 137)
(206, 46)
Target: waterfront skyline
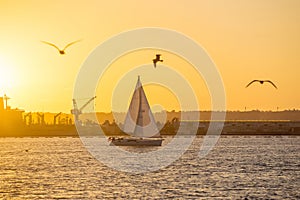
(246, 40)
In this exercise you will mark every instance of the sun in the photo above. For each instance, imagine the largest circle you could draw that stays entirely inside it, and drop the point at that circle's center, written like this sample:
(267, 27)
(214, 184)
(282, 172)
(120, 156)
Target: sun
(7, 75)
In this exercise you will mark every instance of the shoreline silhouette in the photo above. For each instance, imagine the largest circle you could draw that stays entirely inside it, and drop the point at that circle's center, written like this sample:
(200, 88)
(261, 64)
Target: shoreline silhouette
(18, 123)
(236, 123)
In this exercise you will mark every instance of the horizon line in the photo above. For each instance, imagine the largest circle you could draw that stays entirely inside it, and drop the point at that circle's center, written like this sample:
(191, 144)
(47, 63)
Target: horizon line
(172, 111)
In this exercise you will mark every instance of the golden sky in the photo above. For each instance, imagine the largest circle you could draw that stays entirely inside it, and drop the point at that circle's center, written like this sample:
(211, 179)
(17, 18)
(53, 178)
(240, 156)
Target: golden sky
(246, 39)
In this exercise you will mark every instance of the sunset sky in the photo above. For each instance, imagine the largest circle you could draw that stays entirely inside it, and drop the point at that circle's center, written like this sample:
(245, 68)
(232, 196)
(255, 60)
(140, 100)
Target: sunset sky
(247, 40)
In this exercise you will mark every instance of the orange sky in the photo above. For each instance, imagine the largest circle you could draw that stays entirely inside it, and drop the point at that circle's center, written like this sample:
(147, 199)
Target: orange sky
(246, 40)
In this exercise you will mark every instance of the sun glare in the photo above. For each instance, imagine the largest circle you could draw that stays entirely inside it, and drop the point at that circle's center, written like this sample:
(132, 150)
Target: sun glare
(7, 75)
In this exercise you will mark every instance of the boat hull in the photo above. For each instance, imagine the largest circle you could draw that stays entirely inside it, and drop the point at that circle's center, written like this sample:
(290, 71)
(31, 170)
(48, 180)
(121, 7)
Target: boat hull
(136, 141)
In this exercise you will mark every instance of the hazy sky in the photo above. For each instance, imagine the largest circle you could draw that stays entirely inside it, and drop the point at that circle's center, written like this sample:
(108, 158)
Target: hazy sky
(257, 39)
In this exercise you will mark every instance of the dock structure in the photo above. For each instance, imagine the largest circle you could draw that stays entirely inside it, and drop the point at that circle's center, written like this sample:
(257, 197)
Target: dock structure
(261, 127)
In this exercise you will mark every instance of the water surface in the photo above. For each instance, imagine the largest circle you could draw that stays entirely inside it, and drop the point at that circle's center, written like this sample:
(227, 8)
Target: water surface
(255, 167)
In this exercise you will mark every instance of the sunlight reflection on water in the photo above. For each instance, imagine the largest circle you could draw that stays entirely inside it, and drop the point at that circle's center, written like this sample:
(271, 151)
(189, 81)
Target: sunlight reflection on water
(238, 168)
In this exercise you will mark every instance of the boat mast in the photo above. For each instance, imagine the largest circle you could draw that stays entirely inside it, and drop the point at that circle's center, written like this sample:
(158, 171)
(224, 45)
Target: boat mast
(139, 120)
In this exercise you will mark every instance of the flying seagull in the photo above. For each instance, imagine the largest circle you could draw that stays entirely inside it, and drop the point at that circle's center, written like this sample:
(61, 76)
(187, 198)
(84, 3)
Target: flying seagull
(157, 59)
(61, 51)
(261, 82)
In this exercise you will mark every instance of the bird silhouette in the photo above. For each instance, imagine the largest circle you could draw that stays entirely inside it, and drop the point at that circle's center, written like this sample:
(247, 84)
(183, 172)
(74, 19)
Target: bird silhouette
(61, 51)
(261, 82)
(157, 59)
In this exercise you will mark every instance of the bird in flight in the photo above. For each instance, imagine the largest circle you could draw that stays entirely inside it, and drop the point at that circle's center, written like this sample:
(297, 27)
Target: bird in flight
(157, 59)
(61, 51)
(261, 82)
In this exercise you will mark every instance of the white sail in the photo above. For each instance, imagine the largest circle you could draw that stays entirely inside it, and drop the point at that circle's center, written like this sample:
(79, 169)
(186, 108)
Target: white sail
(139, 120)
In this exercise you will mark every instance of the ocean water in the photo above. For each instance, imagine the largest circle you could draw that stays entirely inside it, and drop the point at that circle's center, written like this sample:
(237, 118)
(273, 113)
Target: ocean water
(239, 167)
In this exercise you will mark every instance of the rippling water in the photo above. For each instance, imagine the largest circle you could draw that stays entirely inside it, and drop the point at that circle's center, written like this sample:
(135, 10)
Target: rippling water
(237, 168)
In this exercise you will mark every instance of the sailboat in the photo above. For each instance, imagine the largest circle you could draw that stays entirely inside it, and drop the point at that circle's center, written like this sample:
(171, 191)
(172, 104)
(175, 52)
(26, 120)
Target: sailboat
(139, 122)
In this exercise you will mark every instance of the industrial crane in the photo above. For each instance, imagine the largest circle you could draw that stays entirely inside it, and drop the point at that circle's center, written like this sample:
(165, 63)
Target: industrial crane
(55, 116)
(29, 115)
(6, 98)
(76, 112)
(41, 118)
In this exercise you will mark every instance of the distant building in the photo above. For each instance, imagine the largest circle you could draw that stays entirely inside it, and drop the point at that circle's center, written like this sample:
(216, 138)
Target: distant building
(10, 118)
